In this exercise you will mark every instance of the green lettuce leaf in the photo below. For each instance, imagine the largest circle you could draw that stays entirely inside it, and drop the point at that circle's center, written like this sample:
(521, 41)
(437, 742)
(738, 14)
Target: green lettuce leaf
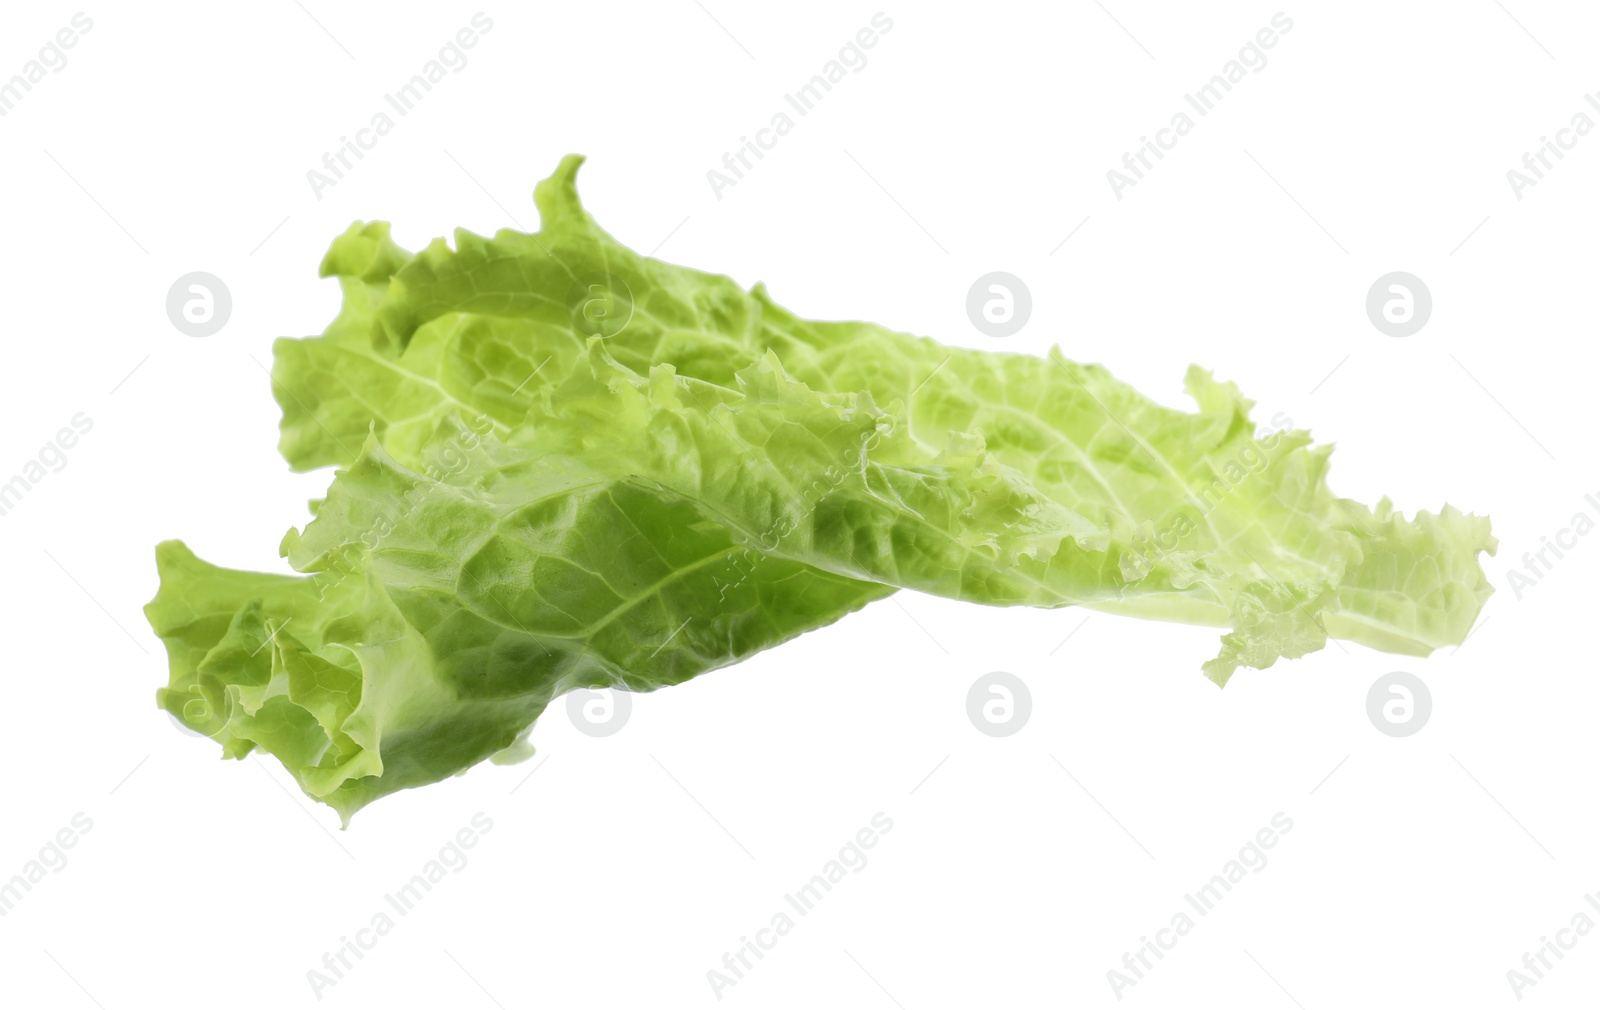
(570, 465)
(443, 619)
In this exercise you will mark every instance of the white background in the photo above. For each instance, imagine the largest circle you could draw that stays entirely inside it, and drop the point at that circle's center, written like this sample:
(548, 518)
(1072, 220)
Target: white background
(1377, 138)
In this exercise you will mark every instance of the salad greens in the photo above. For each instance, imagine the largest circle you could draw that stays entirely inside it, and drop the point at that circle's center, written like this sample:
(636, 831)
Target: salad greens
(564, 464)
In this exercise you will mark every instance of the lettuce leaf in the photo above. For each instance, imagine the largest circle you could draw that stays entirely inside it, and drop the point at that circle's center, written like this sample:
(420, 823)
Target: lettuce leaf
(569, 465)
